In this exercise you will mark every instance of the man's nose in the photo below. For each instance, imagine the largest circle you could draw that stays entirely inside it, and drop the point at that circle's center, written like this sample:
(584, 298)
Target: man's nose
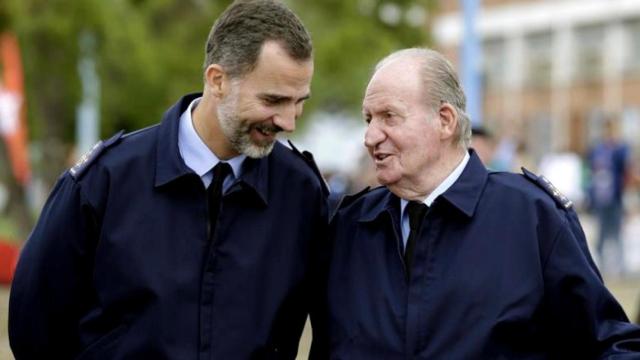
(373, 136)
(286, 119)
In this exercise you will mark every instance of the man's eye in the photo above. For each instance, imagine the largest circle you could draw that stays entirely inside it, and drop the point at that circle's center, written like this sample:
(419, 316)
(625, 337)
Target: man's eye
(273, 100)
(389, 118)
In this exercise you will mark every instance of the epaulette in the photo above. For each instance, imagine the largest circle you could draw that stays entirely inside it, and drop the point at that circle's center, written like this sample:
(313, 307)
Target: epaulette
(90, 156)
(308, 159)
(547, 186)
(136, 132)
(346, 200)
(349, 199)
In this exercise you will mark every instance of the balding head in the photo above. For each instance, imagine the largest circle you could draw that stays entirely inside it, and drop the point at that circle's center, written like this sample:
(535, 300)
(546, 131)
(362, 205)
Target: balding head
(440, 83)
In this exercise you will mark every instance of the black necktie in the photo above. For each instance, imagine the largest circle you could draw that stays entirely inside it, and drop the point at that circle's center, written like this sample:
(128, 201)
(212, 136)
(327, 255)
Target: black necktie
(214, 194)
(416, 211)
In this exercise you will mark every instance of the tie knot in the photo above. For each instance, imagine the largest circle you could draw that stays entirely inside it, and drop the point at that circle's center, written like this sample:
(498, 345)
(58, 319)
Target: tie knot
(221, 170)
(416, 211)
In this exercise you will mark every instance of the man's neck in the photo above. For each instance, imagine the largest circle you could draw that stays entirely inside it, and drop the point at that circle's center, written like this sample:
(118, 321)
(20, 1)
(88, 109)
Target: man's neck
(207, 125)
(422, 185)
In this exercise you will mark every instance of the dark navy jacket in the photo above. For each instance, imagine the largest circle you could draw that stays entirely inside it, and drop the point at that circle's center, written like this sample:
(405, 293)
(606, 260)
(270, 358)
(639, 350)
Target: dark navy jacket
(119, 265)
(501, 271)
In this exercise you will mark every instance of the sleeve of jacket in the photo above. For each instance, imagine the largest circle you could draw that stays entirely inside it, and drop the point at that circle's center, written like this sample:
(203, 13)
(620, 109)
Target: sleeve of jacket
(49, 289)
(583, 317)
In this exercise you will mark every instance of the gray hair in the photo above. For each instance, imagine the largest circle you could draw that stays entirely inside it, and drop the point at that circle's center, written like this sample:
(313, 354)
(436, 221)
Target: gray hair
(441, 85)
(236, 38)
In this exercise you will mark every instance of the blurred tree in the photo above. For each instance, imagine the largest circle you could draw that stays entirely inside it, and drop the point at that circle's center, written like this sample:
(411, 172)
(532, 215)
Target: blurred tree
(15, 220)
(146, 55)
(150, 52)
(350, 37)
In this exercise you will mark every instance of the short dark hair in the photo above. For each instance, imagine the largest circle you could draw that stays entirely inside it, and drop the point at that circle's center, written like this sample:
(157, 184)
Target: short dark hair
(236, 38)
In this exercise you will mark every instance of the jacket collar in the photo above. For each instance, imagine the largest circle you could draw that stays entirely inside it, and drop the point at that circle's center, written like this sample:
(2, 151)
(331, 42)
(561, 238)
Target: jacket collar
(464, 194)
(170, 165)
(255, 175)
(384, 201)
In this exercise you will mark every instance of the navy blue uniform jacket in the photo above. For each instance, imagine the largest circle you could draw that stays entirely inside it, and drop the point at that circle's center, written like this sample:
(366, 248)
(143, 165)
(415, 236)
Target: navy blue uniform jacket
(501, 271)
(119, 265)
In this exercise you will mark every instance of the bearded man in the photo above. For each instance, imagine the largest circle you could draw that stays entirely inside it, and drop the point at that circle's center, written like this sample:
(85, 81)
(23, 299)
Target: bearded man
(195, 238)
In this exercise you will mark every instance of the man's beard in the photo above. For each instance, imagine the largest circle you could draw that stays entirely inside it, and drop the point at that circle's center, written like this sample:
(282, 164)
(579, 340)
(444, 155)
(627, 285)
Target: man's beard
(237, 131)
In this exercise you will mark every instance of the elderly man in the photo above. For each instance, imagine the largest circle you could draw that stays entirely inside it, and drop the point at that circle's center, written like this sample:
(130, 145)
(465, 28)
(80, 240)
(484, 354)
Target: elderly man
(192, 239)
(449, 261)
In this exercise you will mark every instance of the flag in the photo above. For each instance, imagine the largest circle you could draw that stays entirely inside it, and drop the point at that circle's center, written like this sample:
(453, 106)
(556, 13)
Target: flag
(13, 127)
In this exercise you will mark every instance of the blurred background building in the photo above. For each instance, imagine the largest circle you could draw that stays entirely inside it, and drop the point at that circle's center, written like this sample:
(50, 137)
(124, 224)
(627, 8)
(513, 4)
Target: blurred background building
(550, 70)
(551, 74)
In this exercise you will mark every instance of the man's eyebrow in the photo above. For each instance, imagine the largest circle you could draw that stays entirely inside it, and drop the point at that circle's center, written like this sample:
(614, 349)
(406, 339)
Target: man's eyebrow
(276, 97)
(273, 97)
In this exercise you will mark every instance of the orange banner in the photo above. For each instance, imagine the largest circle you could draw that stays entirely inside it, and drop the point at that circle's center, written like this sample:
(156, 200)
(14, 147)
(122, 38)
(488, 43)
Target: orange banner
(13, 126)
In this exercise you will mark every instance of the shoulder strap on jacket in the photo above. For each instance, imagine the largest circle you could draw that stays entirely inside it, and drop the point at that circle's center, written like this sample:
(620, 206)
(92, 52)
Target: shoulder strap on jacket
(90, 156)
(346, 200)
(548, 187)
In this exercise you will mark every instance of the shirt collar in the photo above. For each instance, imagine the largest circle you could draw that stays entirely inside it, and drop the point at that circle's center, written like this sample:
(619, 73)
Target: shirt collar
(444, 185)
(464, 194)
(197, 156)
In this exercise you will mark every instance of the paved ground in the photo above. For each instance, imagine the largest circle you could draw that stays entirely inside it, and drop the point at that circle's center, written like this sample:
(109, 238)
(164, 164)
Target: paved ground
(626, 289)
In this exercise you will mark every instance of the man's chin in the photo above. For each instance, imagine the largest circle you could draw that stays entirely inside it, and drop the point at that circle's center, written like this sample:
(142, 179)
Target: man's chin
(258, 151)
(387, 179)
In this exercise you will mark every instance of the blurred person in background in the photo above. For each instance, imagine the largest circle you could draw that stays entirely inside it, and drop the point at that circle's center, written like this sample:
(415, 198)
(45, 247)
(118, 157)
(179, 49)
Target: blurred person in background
(504, 153)
(608, 161)
(338, 184)
(483, 143)
(363, 175)
(450, 261)
(192, 239)
(522, 158)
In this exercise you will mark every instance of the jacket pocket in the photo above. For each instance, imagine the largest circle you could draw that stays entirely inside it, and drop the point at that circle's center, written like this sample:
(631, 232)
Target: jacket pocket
(103, 348)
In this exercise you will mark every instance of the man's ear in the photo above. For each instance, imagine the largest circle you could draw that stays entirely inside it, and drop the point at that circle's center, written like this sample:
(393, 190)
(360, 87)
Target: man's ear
(216, 78)
(448, 117)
